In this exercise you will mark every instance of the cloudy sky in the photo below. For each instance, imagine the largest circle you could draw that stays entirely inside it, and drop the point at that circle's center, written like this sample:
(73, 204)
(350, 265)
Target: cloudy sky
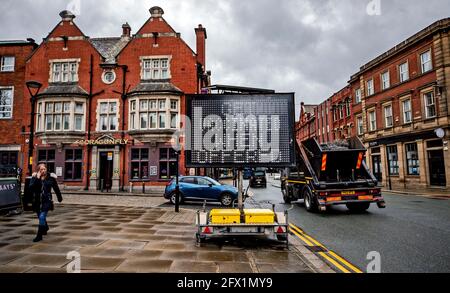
(310, 47)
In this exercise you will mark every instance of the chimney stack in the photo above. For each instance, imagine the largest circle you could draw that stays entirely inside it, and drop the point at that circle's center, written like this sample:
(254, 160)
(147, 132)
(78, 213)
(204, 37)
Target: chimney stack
(66, 15)
(126, 30)
(200, 33)
(156, 11)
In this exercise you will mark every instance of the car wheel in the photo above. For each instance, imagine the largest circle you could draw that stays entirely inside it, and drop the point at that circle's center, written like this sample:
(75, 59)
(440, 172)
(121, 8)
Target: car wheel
(310, 203)
(358, 207)
(226, 199)
(286, 197)
(173, 196)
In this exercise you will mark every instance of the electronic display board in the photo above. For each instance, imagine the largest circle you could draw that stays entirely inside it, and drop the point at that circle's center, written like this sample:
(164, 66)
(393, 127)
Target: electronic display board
(240, 130)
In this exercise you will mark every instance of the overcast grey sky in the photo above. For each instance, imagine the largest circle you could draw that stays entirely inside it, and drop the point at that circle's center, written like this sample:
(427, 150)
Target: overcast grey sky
(310, 47)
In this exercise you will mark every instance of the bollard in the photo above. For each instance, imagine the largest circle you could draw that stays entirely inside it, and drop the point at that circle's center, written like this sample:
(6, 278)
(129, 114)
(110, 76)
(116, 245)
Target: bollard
(131, 187)
(143, 187)
(101, 185)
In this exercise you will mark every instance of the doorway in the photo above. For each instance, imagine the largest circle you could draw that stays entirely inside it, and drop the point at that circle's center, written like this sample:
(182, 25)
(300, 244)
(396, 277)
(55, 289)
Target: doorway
(106, 170)
(436, 167)
(376, 168)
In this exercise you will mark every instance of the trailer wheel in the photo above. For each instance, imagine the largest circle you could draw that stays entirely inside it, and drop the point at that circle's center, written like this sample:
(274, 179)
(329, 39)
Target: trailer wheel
(310, 203)
(358, 207)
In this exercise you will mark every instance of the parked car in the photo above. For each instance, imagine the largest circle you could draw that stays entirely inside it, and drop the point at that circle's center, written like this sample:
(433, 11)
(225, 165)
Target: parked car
(247, 173)
(277, 176)
(200, 188)
(258, 178)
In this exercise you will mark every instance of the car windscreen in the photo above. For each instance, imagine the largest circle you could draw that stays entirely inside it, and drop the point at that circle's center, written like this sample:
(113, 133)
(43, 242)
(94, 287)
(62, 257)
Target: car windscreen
(260, 174)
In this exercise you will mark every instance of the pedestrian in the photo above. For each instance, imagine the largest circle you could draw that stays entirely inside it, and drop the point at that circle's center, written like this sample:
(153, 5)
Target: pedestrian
(41, 186)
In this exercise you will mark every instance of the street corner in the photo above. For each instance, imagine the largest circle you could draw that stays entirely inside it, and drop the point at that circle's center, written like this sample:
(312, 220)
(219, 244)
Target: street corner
(133, 239)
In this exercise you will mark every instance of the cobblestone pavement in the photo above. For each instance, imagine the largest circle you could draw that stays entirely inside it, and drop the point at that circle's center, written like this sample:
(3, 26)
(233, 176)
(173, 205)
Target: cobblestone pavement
(135, 235)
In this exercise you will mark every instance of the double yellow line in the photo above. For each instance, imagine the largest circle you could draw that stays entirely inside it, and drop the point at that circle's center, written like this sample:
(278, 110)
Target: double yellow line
(330, 256)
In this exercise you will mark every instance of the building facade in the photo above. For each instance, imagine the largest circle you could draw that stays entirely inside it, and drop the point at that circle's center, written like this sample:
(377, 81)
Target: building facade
(398, 104)
(13, 55)
(109, 107)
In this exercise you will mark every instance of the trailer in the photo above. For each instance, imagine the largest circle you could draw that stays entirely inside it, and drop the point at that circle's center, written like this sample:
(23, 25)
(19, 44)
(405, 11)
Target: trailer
(331, 174)
(226, 223)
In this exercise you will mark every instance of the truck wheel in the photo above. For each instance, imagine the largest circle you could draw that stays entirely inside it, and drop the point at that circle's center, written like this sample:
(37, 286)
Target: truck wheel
(358, 207)
(286, 197)
(310, 203)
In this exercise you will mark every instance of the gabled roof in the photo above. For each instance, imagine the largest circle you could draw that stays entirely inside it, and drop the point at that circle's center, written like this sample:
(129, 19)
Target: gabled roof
(109, 48)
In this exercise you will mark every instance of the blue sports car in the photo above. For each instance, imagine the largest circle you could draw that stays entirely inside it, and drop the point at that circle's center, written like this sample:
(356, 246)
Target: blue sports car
(201, 188)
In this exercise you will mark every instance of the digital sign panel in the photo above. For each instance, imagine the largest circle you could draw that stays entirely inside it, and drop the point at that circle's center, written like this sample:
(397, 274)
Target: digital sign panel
(240, 130)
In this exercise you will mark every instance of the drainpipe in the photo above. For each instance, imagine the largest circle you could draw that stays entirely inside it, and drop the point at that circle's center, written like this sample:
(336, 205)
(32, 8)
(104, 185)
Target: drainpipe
(124, 96)
(90, 97)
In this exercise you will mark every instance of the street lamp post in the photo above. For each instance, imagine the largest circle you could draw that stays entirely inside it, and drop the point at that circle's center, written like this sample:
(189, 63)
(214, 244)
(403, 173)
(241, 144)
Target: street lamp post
(177, 186)
(33, 88)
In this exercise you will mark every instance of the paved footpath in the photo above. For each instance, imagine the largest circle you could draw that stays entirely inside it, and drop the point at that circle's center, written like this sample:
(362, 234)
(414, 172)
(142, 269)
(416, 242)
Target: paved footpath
(133, 234)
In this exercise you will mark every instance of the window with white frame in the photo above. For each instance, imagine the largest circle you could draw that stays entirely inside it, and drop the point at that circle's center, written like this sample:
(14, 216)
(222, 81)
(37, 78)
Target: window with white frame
(407, 111)
(403, 71)
(430, 105)
(347, 109)
(6, 102)
(425, 61)
(154, 113)
(358, 96)
(64, 71)
(370, 89)
(385, 80)
(372, 120)
(155, 68)
(107, 113)
(7, 63)
(60, 115)
(341, 111)
(388, 120)
(359, 125)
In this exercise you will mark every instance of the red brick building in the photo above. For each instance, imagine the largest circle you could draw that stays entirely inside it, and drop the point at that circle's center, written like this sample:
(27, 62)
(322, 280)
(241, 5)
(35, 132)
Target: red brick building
(13, 55)
(109, 107)
(399, 104)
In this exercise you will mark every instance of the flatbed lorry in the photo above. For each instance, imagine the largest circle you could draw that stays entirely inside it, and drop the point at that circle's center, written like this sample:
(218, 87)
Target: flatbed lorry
(331, 174)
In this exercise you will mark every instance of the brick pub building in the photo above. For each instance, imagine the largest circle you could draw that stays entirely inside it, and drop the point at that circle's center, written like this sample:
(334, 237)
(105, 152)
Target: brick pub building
(398, 104)
(108, 107)
(13, 55)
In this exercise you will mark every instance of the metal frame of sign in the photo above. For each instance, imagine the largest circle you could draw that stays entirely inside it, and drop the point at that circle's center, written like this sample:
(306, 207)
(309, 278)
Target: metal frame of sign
(289, 97)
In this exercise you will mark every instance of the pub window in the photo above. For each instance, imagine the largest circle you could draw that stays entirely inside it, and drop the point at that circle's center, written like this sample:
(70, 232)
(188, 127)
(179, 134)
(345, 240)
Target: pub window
(108, 116)
(6, 102)
(47, 157)
(7, 63)
(155, 68)
(392, 159)
(8, 158)
(167, 163)
(412, 158)
(153, 114)
(73, 164)
(65, 71)
(139, 163)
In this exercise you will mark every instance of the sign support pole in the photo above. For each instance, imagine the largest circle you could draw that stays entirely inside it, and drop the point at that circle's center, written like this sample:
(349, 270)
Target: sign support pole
(240, 193)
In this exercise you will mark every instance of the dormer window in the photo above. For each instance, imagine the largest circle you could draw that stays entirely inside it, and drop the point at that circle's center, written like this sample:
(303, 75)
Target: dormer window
(155, 68)
(66, 71)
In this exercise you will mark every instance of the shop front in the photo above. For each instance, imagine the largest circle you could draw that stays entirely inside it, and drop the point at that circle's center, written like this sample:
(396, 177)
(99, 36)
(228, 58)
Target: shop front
(410, 160)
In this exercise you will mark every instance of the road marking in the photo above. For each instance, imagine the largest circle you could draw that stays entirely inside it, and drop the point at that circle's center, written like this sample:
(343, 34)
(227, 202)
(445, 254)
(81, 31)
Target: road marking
(329, 255)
